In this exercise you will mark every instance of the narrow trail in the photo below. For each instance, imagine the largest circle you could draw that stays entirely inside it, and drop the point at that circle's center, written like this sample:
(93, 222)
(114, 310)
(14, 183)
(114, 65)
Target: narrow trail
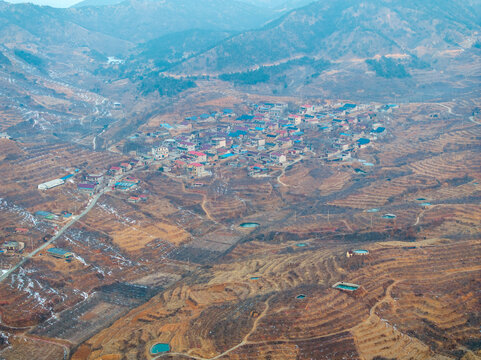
(283, 172)
(348, 226)
(421, 214)
(387, 298)
(372, 313)
(204, 197)
(242, 343)
(204, 200)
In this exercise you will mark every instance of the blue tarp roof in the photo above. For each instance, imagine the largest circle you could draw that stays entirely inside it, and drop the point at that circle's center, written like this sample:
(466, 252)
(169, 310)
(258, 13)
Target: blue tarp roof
(124, 184)
(225, 156)
(245, 117)
(58, 251)
(42, 213)
(66, 177)
(237, 133)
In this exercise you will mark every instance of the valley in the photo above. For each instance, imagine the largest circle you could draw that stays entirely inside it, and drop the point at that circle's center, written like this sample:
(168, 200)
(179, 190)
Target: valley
(243, 180)
(183, 249)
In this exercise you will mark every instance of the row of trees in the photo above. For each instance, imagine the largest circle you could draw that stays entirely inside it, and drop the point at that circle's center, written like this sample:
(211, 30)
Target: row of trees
(266, 73)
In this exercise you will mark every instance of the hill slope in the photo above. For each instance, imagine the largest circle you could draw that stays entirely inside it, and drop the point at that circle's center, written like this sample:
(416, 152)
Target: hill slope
(142, 20)
(348, 29)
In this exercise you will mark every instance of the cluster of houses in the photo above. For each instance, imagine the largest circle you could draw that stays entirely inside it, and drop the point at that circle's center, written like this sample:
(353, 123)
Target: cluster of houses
(268, 137)
(12, 247)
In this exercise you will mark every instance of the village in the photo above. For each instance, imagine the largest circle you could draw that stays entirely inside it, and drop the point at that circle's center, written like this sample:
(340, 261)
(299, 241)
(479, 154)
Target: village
(267, 139)
(263, 142)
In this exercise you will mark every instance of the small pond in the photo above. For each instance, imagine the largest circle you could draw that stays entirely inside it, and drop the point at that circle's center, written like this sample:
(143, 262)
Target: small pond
(361, 252)
(249, 225)
(160, 348)
(347, 287)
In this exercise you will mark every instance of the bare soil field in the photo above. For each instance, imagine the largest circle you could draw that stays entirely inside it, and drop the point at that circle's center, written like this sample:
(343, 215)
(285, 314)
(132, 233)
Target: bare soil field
(226, 292)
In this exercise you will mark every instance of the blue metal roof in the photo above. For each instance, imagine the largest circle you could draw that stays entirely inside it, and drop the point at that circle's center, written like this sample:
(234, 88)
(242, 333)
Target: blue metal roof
(58, 251)
(42, 213)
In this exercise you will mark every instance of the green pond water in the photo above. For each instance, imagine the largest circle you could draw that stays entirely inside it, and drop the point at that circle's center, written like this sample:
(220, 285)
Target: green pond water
(160, 348)
(361, 252)
(249, 225)
(346, 287)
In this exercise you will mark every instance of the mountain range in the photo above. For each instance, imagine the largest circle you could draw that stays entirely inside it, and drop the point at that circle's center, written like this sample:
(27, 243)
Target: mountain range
(260, 44)
(348, 29)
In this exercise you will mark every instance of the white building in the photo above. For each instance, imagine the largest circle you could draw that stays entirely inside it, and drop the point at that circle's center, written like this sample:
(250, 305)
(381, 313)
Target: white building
(4, 135)
(218, 142)
(160, 152)
(51, 184)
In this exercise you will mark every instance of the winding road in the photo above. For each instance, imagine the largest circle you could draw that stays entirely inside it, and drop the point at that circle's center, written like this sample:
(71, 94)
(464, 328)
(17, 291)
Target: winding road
(74, 219)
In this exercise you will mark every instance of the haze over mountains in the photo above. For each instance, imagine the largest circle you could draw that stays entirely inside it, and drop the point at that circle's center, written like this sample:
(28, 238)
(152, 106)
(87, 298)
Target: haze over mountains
(346, 39)
(346, 28)
(245, 179)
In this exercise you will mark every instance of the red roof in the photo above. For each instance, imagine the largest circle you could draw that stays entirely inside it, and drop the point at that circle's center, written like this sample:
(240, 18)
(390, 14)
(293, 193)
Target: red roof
(115, 168)
(197, 153)
(196, 165)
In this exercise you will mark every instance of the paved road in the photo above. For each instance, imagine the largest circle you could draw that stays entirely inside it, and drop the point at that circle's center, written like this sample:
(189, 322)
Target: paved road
(74, 219)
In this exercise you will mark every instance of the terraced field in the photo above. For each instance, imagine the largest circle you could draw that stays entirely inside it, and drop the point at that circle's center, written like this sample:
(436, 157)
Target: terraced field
(247, 303)
(226, 292)
(9, 117)
(406, 292)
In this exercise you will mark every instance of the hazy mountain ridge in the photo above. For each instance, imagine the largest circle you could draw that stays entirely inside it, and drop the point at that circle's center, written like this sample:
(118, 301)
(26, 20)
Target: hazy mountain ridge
(50, 28)
(178, 46)
(347, 28)
(96, 3)
(150, 19)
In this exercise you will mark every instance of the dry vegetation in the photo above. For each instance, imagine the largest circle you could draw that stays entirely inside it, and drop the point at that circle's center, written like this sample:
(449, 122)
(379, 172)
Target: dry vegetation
(420, 284)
